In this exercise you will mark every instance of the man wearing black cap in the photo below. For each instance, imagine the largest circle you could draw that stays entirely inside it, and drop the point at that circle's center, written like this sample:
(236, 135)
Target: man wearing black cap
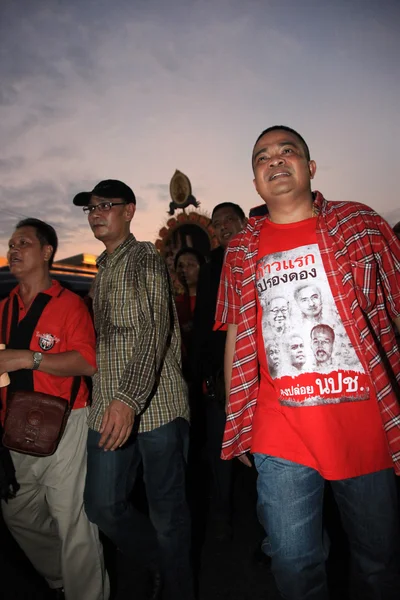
(140, 409)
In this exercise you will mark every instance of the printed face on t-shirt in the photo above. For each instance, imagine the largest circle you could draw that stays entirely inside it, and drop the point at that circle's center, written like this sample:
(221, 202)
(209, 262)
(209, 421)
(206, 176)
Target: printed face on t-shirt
(273, 356)
(277, 314)
(345, 352)
(322, 344)
(309, 300)
(297, 352)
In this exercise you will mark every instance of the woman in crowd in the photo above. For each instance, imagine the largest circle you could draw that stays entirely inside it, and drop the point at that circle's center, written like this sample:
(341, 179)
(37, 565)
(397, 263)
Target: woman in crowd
(187, 266)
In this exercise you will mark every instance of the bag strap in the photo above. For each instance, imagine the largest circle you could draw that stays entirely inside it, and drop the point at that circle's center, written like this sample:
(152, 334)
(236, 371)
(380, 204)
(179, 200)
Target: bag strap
(4, 322)
(76, 384)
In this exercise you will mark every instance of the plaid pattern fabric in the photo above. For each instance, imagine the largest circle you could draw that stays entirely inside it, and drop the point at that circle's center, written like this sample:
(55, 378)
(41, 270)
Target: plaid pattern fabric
(131, 297)
(361, 256)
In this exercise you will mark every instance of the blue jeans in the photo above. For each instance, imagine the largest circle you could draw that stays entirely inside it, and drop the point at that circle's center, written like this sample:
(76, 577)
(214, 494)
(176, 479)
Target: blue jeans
(164, 538)
(290, 501)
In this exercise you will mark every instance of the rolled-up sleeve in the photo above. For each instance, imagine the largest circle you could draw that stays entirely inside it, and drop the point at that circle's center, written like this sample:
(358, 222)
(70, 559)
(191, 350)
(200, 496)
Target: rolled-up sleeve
(79, 331)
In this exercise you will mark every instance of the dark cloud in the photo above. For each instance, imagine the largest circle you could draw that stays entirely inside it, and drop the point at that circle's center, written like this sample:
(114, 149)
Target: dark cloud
(161, 189)
(142, 205)
(46, 200)
(12, 163)
(42, 41)
(63, 152)
(50, 112)
(8, 94)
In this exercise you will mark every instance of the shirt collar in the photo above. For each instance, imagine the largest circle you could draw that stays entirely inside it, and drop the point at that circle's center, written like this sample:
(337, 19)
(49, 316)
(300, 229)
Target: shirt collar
(120, 251)
(53, 290)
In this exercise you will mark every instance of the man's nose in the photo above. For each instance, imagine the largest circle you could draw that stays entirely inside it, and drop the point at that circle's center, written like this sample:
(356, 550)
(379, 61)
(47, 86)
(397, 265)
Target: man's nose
(276, 160)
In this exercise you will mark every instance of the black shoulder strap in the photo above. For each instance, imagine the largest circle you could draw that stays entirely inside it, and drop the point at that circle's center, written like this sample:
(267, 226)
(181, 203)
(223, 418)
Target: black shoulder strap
(4, 322)
(76, 384)
(21, 331)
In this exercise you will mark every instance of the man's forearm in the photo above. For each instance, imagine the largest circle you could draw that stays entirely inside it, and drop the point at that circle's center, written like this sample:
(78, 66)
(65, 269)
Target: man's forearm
(66, 364)
(228, 358)
(63, 364)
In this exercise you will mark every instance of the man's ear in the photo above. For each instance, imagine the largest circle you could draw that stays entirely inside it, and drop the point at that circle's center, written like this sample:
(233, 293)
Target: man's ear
(312, 167)
(48, 251)
(130, 210)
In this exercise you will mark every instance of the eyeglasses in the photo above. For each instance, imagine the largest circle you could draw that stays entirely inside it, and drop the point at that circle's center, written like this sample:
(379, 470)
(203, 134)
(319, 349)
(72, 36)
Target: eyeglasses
(102, 206)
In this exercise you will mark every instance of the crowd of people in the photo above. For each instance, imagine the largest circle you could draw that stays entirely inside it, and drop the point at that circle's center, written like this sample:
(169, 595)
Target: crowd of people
(281, 351)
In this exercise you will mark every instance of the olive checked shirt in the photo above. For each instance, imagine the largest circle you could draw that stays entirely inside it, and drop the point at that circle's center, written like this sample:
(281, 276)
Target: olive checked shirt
(138, 347)
(361, 256)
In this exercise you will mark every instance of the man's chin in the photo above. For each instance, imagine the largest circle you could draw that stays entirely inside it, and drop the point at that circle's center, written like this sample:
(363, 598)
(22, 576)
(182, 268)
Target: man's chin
(224, 243)
(99, 234)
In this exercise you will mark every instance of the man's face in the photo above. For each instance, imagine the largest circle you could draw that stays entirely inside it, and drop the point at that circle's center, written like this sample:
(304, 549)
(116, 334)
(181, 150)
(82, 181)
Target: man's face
(322, 345)
(226, 224)
(309, 301)
(346, 352)
(296, 351)
(25, 254)
(187, 269)
(280, 165)
(278, 311)
(273, 356)
(112, 224)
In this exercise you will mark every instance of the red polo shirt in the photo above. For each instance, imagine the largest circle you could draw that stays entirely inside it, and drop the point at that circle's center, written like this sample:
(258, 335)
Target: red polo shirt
(64, 325)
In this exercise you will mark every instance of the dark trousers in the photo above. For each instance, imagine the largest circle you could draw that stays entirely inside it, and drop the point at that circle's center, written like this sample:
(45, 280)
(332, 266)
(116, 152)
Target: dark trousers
(221, 470)
(164, 538)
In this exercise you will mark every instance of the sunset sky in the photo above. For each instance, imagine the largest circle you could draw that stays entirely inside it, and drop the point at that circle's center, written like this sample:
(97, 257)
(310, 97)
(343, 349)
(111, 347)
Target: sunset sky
(134, 89)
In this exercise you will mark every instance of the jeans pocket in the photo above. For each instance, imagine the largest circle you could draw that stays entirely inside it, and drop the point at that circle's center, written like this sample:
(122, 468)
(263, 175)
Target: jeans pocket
(259, 460)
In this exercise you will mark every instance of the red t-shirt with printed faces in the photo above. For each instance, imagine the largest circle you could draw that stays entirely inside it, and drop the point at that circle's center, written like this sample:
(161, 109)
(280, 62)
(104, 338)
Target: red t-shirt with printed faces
(316, 403)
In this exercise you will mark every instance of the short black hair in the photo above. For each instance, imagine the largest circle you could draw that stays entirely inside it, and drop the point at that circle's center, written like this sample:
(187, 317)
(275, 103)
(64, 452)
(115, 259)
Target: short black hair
(290, 130)
(45, 233)
(235, 207)
(189, 250)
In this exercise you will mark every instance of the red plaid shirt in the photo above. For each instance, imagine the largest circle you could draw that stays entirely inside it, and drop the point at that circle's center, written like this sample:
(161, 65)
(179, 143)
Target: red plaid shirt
(361, 256)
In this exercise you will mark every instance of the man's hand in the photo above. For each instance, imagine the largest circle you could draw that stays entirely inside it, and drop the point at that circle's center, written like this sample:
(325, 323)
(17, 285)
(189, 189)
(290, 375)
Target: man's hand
(116, 425)
(14, 360)
(245, 460)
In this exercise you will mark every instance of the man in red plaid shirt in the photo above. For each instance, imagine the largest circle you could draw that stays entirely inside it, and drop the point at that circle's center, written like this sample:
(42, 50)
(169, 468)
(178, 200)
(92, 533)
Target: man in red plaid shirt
(337, 419)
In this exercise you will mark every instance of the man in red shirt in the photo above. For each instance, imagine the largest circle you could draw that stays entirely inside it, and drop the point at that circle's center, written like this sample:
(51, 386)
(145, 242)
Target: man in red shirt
(334, 419)
(50, 339)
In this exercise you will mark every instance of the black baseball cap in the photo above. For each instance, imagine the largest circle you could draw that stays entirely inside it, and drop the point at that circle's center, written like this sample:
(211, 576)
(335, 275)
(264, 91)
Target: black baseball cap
(109, 188)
